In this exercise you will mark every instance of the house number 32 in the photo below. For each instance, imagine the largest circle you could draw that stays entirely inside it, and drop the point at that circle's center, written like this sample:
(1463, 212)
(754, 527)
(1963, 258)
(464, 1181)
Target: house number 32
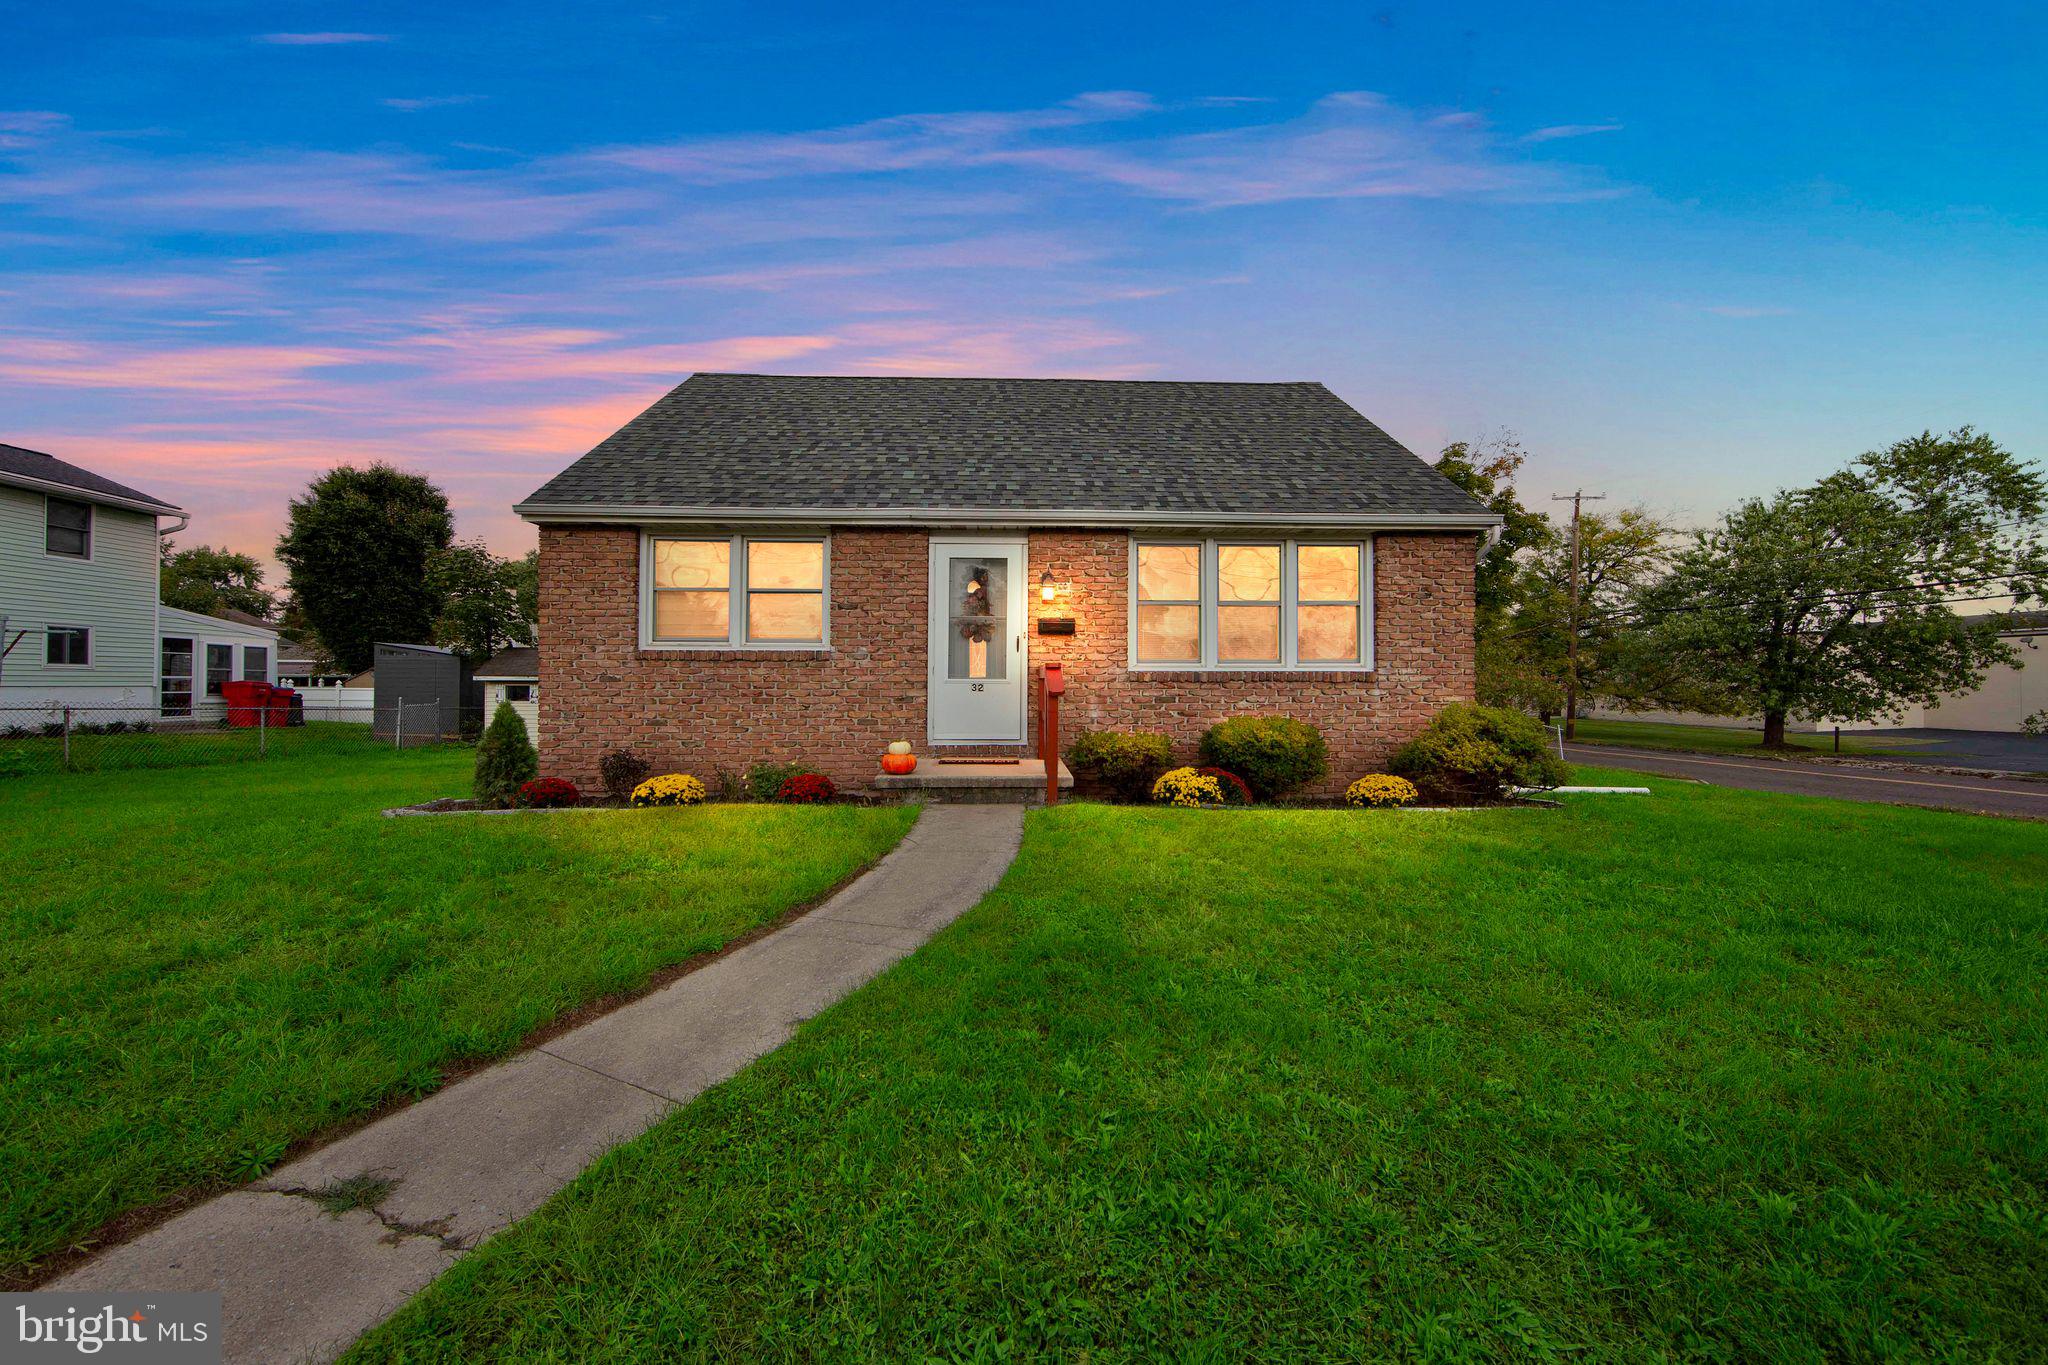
(976, 687)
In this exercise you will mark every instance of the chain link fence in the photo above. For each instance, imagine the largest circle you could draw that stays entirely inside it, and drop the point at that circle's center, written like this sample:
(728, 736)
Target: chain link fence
(80, 739)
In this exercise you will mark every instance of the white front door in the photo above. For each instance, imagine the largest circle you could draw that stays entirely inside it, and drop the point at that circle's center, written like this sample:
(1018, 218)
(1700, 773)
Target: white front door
(977, 690)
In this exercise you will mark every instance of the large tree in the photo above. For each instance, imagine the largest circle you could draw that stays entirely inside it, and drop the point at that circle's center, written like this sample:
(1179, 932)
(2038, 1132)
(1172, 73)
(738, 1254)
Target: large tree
(1838, 600)
(209, 580)
(1532, 657)
(485, 600)
(356, 552)
(1487, 471)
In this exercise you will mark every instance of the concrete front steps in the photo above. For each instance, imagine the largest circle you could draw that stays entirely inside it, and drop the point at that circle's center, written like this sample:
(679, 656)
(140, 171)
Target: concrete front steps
(1019, 782)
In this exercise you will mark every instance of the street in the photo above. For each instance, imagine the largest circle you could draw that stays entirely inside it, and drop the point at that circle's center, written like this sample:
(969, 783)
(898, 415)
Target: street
(1984, 796)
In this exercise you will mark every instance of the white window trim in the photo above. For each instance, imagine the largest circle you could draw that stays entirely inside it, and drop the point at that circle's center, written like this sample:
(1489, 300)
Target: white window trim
(59, 625)
(92, 529)
(736, 587)
(1289, 601)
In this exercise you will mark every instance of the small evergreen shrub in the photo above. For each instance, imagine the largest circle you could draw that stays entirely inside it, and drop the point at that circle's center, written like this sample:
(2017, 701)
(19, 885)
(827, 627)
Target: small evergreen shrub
(621, 770)
(1273, 754)
(546, 793)
(764, 780)
(1235, 792)
(1127, 763)
(1478, 752)
(1188, 788)
(670, 789)
(806, 789)
(504, 759)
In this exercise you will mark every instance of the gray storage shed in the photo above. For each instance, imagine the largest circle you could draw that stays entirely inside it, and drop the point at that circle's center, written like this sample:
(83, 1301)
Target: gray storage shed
(433, 685)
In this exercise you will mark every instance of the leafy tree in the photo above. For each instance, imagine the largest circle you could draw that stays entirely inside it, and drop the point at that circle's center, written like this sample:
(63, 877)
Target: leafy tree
(1619, 553)
(1837, 600)
(480, 596)
(1487, 471)
(210, 580)
(356, 552)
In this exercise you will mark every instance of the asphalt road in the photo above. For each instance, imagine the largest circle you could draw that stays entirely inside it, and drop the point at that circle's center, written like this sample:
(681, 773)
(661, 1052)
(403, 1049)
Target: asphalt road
(1983, 795)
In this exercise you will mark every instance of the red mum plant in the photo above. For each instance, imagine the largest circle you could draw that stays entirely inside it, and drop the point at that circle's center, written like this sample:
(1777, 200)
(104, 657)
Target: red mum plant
(1235, 792)
(546, 792)
(806, 789)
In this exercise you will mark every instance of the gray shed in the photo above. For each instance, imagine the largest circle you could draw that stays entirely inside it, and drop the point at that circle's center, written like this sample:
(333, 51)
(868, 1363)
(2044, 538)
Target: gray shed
(434, 686)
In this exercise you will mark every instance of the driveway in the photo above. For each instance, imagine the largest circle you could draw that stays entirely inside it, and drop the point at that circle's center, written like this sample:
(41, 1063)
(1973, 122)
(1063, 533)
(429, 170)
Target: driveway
(1945, 791)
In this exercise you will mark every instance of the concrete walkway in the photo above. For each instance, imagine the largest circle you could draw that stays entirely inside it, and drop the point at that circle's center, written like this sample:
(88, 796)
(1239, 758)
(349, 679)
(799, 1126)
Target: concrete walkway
(300, 1284)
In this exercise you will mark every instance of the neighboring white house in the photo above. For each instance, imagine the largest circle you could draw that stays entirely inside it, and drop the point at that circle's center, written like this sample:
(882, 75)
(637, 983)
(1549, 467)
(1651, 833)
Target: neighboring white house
(78, 585)
(201, 653)
(513, 675)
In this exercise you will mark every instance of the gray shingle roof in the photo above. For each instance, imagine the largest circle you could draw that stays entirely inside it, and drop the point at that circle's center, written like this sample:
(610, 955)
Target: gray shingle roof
(522, 662)
(744, 442)
(34, 464)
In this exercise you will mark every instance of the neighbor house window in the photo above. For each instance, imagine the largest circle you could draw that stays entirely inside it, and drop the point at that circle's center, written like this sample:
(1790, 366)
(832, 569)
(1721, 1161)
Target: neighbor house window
(736, 590)
(519, 691)
(69, 646)
(67, 528)
(220, 668)
(256, 663)
(1226, 604)
(177, 676)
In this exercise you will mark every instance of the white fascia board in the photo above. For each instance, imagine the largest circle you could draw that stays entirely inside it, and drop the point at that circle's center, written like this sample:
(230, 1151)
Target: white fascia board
(651, 514)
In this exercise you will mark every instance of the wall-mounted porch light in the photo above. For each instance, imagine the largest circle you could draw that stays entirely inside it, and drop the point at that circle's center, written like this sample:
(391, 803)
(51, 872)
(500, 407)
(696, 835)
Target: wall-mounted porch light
(1046, 586)
(1049, 589)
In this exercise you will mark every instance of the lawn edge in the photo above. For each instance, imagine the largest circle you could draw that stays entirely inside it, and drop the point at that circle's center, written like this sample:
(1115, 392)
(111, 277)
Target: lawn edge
(128, 1225)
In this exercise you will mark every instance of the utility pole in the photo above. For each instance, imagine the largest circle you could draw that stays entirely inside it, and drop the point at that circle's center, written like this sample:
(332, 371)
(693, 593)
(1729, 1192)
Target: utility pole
(1571, 673)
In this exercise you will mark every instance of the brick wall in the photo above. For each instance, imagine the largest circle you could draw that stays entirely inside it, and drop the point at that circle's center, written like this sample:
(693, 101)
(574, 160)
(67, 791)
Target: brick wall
(699, 711)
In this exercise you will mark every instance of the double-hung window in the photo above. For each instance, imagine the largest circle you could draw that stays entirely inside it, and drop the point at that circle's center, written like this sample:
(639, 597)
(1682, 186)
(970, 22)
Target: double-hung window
(67, 528)
(1250, 603)
(256, 663)
(220, 669)
(735, 591)
(68, 646)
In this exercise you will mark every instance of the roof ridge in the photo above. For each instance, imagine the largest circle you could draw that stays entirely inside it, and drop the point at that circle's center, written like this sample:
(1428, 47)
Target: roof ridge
(1012, 379)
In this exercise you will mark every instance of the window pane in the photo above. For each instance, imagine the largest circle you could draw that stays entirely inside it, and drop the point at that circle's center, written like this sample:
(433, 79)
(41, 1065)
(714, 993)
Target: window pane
(980, 635)
(785, 564)
(1248, 634)
(1248, 573)
(692, 563)
(255, 663)
(1329, 634)
(67, 527)
(1169, 573)
(177, 657)
(692, 615)
(785, 616)
(66, 645)
(1169, 634)
(220, 667)
(1328, 573)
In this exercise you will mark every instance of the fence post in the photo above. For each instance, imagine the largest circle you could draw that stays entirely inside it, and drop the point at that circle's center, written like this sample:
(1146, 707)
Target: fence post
(263, 729)
(67, 739)
(398, 724)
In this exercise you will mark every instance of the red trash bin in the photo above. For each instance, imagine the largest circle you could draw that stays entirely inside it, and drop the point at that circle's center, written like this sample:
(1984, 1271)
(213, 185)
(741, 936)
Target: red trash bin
(280, 705)
(243, 699)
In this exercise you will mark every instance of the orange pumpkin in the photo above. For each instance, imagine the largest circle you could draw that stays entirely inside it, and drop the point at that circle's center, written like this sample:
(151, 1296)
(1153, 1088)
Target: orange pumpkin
(898, 764)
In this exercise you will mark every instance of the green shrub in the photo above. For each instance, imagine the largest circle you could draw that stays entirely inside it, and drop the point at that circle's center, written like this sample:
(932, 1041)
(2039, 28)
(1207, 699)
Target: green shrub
(1127, 762)
(764, 780)
(1273, 754)
(504, 759)
(1478, 752)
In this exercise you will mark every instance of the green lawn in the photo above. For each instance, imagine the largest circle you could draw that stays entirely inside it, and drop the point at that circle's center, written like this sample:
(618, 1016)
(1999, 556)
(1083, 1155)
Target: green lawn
(171, 745)
(204, 965)
(1642, 734)
(1710, 1073)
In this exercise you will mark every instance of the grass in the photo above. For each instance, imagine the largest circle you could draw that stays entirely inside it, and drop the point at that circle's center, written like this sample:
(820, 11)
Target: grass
(168, 746)
(1642, 734)
(1711, 1073)
(204, 966)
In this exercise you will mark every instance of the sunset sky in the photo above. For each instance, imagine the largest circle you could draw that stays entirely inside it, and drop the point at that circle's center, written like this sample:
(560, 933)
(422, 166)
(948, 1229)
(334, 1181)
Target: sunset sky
(1685, 254)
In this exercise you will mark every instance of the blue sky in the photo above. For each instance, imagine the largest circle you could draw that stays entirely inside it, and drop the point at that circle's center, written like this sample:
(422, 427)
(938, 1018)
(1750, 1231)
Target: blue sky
(1686, 254)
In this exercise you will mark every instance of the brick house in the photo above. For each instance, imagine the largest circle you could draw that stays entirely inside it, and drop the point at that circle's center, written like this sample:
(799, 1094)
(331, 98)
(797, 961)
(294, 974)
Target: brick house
(789, 567)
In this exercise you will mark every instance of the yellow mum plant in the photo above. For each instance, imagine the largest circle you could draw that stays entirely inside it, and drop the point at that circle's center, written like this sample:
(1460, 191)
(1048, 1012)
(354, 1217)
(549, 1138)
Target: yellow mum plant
(670, 789)
(1186, 787)
(1380, 789)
